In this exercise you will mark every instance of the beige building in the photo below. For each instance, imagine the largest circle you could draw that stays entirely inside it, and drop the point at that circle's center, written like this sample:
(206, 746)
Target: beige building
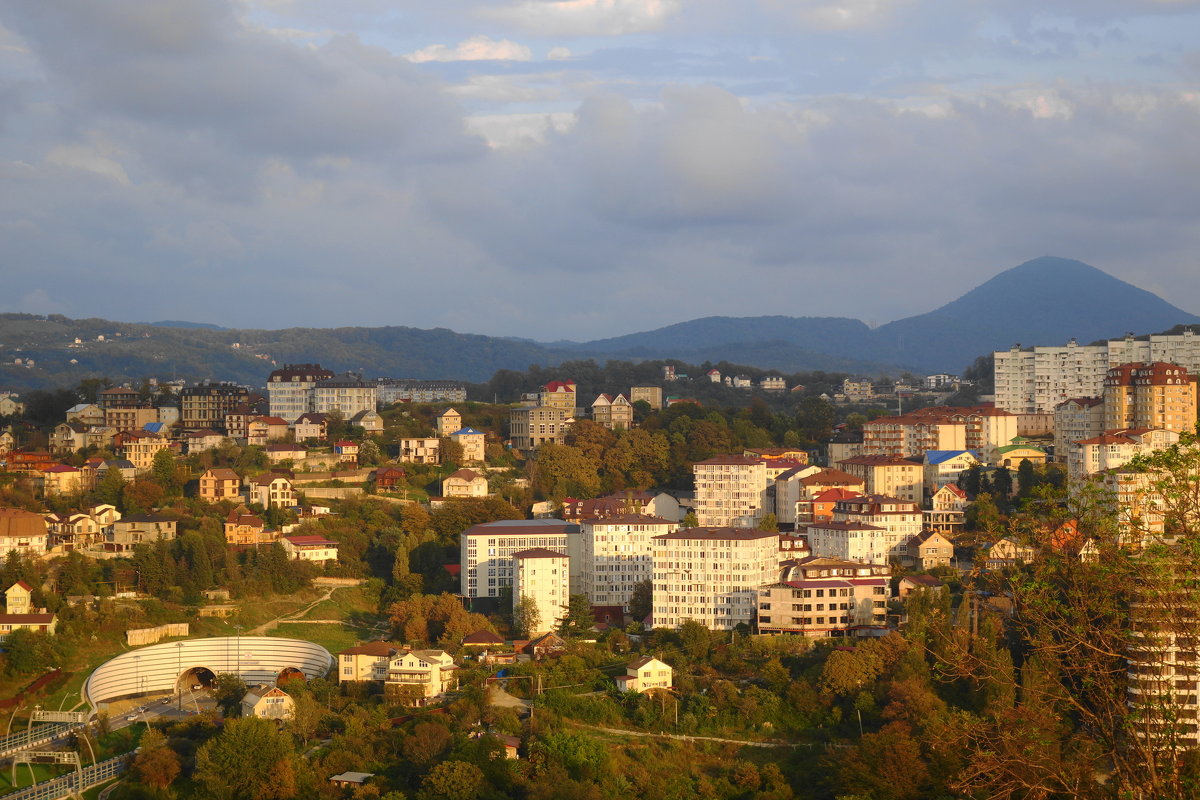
(712, 575)
(61, 479)
(614, 413)
(420, 450)
(559, 394)
(272, 490)
(897, 520)
(731, 491)
(219, 484)
(645, 674)
(651, 394)
(888, 475)
(1076, 419)
(1155, 395)
(433, 672)
(448, 422)
(1113, 449)
(22, 531)
(206, 405)
(543, 577)
(618, 554)
(19, 613)
(141, 447)
(72, 531)
(289, 389)
(947, 510)
(243, 528)
(268, 702)
(825, 597)
(348, 394)
(366, 662)
(311, 425)
(128, 532)
(309, 547)
(944, 466)
(473, 443)
(464, 483)
(124, 419)
(927, 550)
(529, 427)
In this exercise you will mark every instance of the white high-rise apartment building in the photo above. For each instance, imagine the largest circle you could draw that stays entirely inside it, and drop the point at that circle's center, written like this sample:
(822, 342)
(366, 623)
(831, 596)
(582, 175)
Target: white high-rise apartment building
(486, 552)
(617, 555)
(730, 491)
(712, 575)
(1035, 381)
(290, 389)
(543, 576)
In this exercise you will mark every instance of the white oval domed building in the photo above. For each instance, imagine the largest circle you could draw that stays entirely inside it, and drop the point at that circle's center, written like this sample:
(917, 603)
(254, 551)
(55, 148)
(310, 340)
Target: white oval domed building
(172, 666)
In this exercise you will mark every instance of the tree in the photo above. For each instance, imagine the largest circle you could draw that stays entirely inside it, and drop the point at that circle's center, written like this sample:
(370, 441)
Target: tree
(560, 470)
(768, 523)
(368, 453)
(579, 618)
(1002, 483)
(1026, 478)
(427, 741)
(452, 780)
(228, 691)
(156, 764)
(248, 760)
(641, 600)
(526, 616)
(690, 520)
(165, 471)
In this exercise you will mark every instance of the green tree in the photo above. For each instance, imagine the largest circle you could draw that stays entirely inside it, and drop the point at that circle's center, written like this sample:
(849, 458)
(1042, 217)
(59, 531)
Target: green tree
(452, 780)
(526, 616)
(690, 520)
(228, 691)
(641, 600)
(768, 523)
(560, 470)
(368, 453)
(166, 473)
(1026, 478)
(579, 618)
(250, 759)
(156, 764)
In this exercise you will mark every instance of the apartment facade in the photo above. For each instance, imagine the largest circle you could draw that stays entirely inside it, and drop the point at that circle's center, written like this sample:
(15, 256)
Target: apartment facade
(888, 475)
(618, 554)
(486, 552)
(731, 491)
(1038, 379)
(529, 427)
(1156, 395)
(219, 484)
(712, 575)
(614, 413)
(206, 405)
(289, 389)
(1113, 449)
(348, 394)
(542, 576)
(825, 597)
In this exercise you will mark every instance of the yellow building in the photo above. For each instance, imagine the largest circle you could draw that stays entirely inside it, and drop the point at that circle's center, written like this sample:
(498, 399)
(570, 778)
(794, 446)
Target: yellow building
(888, 475)
(1154, 395)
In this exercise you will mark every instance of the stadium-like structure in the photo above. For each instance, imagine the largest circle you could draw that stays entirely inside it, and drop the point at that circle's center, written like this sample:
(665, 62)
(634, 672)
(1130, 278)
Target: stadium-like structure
(176, 666)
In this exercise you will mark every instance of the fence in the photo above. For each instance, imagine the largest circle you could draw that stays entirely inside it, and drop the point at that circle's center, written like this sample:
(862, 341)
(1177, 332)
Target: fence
(68, 785)
(35, 736)
(140, 636)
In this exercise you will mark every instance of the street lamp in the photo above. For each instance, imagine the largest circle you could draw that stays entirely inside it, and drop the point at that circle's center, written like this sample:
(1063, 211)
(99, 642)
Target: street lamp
(239, 650)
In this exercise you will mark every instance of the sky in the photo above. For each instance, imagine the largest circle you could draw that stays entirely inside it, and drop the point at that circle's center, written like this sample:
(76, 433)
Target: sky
(578, 169)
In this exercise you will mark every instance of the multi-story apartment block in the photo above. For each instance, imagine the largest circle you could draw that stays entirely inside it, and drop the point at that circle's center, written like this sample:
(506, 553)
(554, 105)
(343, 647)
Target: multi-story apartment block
(473, 443)
(1075, 419)
(1038, 379)
(123, 419)
(542, 576)
(772, 383)
(486, 552)
(939, 428)
(869, 529)
(128, 532)
(617, 555)
(857, 390)
(1113, 449)
(614, 413)
(843, 445)
(420, 450)
(712, 575)
(448, 422)
(366, 662)
(141, 447)
(290, 389)
(348, 394)
(651, 394)
(946, 512)
(888, 475)
(558, 394)
(1156, 395)
(272, 490)
(529, 427)
(407, 390)
(944, 466)
(789, 491)
(825, 597)
(207, 405)
(731, 491)
(118, 397)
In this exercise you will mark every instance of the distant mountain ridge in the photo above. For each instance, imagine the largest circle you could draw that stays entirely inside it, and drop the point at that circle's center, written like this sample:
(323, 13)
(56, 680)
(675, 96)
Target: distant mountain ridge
(1044, 301)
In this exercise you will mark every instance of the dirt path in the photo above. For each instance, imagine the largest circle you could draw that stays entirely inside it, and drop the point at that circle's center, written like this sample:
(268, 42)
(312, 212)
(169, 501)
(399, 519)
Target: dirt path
(291, 616)
(680, 737)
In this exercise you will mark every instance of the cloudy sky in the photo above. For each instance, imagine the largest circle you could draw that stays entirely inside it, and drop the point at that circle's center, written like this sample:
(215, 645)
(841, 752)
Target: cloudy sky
(586, 168)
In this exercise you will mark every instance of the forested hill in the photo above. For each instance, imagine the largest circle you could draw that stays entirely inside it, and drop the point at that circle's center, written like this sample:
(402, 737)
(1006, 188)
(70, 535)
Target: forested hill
(1044, 301)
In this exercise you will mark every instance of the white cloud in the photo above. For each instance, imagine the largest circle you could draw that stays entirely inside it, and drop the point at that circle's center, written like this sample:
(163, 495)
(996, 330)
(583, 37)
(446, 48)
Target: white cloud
(558, 54)
(589, 17)
(477, 48)
(89, 159)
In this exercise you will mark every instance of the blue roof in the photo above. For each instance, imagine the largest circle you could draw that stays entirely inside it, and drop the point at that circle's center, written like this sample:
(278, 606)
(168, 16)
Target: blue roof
(465, 431)
(938, 456)
(154, 427)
